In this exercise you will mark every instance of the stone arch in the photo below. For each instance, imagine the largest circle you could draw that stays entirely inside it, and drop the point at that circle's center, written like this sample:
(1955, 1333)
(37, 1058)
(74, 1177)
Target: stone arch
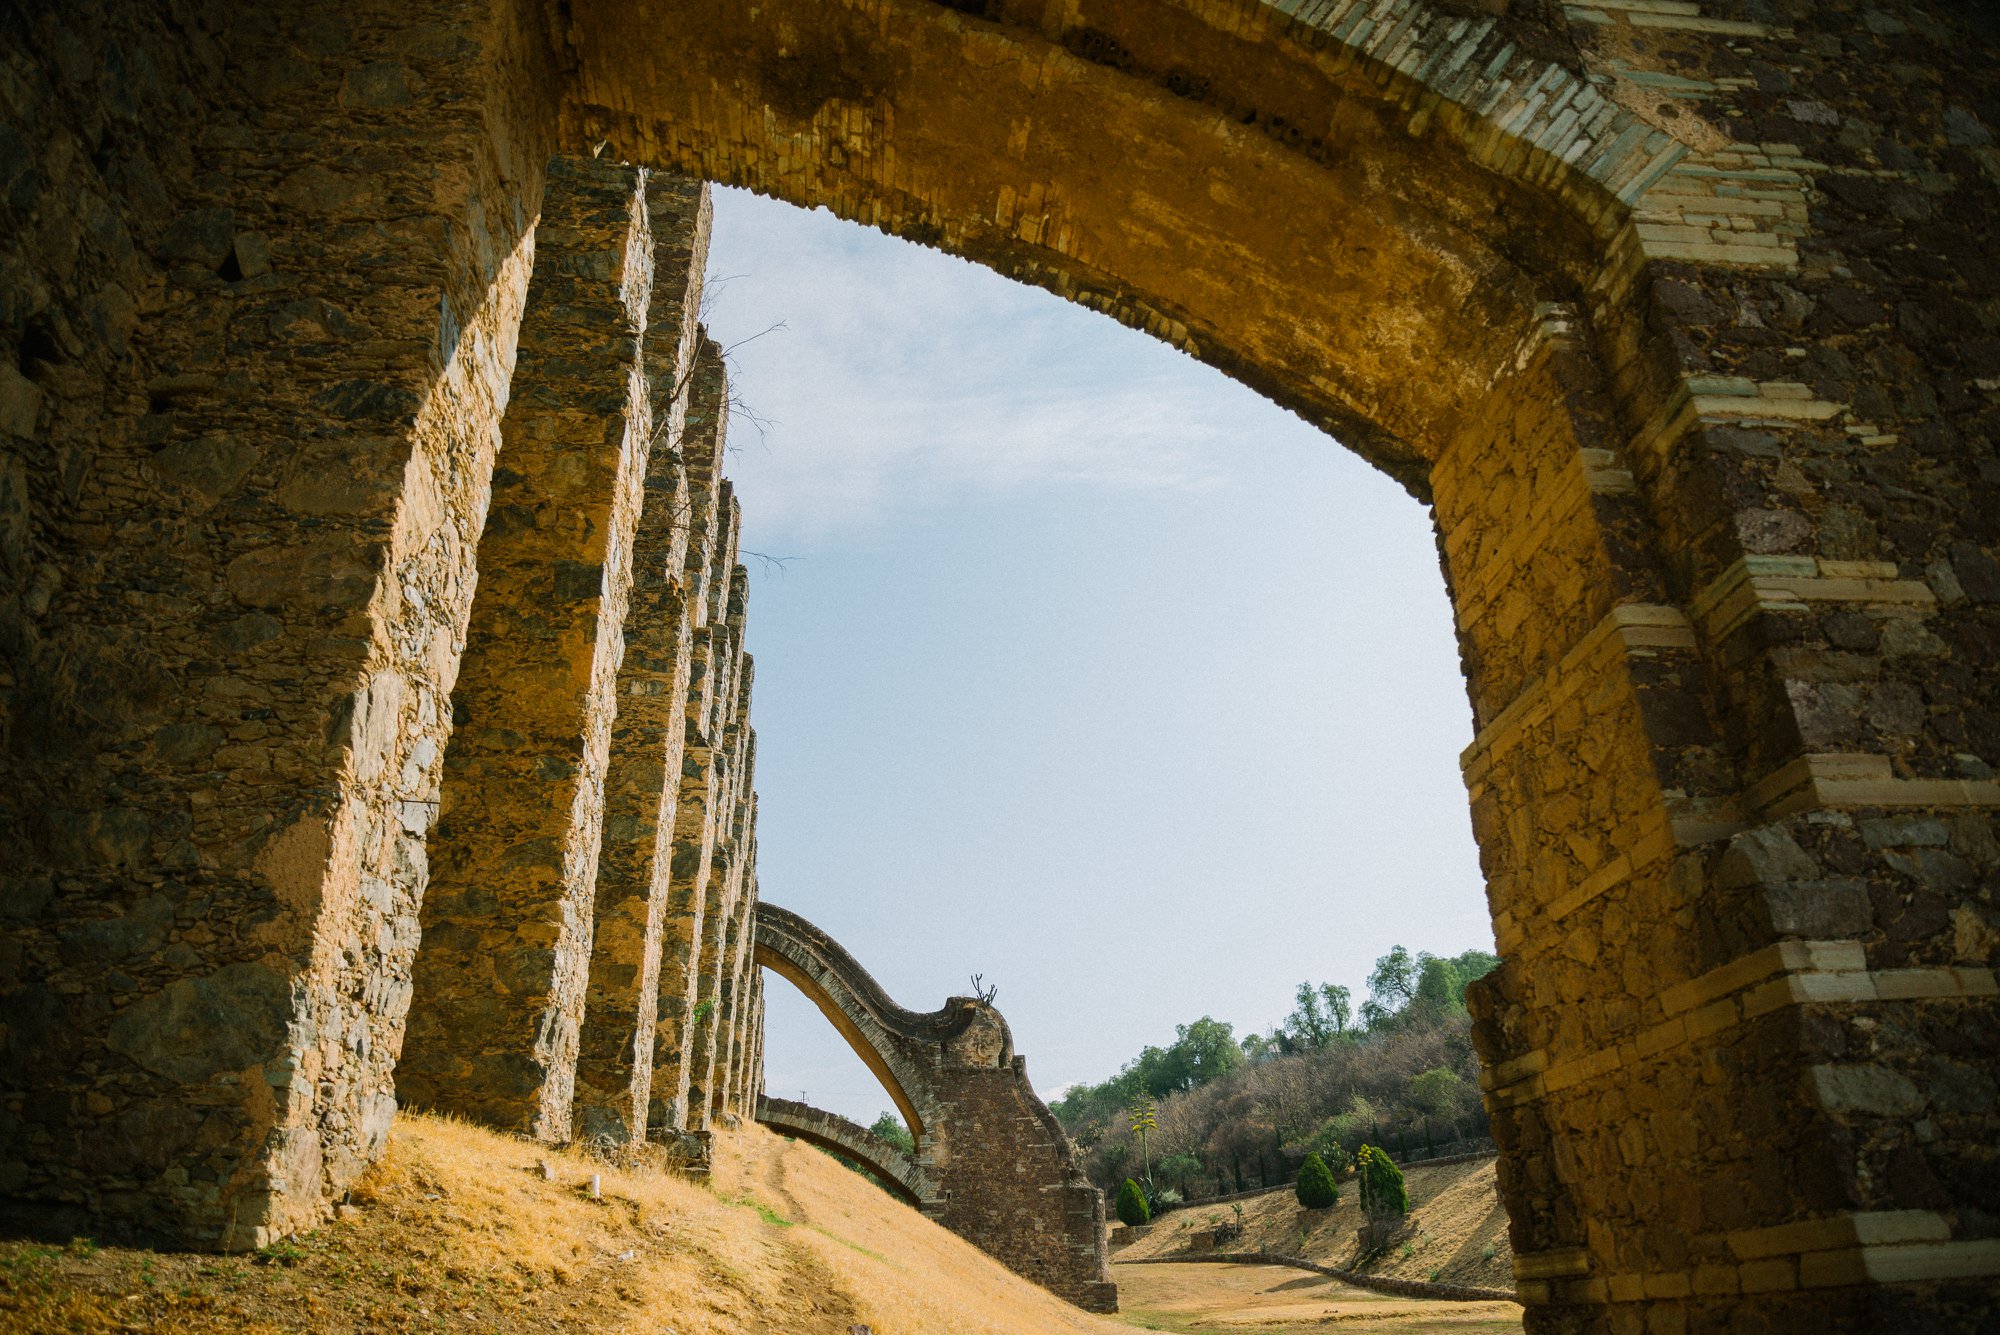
(1461, 238)
(1161, 161)
(999, 1170)
(1703, 416)
(879, 1031)
(905, 1178)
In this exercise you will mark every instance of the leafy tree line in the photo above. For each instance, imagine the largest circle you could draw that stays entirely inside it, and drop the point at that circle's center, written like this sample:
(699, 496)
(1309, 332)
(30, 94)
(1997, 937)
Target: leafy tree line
(1398, 1070)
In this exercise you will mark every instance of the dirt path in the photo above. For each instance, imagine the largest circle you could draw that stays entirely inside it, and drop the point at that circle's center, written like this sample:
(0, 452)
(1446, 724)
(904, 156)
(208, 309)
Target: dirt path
(1215, 1299)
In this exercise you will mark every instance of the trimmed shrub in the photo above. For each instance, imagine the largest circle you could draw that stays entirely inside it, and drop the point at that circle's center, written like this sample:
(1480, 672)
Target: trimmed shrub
(1132, 1204)
(1316, 1187)
(1383, 1194)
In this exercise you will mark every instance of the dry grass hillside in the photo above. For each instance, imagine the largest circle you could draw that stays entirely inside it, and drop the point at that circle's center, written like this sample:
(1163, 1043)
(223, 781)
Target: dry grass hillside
(458, 1231)
(1456, 1232)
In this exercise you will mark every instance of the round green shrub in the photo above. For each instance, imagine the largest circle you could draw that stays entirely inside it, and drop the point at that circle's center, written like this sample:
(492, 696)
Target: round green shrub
(1316, 1186)
(1132, 1204)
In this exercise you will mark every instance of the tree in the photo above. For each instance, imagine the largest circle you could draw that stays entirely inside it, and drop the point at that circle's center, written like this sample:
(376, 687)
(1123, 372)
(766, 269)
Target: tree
(1205, 1050)
(1383, 1193)
(890, 1127)
(1437, 1091)
(1131, 1205)
(1316, 1187)
(1319, 1018)
(1393, 984)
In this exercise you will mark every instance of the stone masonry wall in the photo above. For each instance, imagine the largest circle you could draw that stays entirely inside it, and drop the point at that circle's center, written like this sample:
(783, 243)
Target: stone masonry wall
(265, 280)
(615, 1059)
(508, 919)
(1700, 383)
(260, 274)
(1680, 312)
(549, 926)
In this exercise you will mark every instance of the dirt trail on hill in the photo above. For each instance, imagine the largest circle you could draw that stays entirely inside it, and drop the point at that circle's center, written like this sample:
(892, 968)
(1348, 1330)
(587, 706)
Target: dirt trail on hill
(1215, 1299)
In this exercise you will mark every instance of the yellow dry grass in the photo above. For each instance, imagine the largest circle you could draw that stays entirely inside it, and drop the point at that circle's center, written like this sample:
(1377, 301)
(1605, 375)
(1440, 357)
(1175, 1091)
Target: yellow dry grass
(458, 1231)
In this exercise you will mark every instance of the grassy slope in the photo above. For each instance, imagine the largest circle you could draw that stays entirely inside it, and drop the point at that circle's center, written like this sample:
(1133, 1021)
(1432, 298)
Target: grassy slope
(457, 1231)
(1455, 1218)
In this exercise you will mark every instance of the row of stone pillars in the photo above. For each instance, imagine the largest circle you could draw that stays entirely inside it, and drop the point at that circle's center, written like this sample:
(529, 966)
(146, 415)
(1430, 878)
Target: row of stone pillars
(584, 969)
(440, 798)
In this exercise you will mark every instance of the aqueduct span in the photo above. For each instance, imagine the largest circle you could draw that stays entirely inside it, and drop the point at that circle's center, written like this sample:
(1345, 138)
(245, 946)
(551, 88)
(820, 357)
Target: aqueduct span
(325, 740)
(1002, 1174)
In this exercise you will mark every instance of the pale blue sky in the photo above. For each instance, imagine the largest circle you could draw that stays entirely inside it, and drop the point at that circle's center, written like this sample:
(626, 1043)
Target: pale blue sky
(1090, 671)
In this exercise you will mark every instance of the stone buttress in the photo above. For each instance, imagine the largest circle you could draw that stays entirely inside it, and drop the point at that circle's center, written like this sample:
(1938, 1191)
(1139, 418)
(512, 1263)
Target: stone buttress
(508, 920)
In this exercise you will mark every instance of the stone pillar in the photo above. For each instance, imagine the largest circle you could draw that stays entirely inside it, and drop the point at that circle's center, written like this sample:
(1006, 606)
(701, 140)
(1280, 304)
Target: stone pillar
(728, 880)
(693, 832)
(1596, 759)
(615, 1054)
(261, 278)
(737, 965)
(507, 923)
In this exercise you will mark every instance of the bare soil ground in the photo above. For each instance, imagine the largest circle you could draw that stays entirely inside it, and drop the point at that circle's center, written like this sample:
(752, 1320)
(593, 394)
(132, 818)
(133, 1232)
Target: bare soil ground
(1456, 1232)
(1212, 1299)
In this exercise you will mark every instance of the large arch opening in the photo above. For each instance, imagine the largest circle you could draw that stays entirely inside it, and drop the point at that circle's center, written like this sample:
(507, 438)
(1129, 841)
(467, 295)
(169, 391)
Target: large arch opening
(1427, 231)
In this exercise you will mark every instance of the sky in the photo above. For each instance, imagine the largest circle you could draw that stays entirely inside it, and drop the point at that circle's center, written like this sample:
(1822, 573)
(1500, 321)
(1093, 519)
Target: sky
(1080, 667)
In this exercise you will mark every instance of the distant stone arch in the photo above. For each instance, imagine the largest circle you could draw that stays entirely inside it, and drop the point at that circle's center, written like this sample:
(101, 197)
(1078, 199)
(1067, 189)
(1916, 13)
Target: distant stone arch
(1000, 1171)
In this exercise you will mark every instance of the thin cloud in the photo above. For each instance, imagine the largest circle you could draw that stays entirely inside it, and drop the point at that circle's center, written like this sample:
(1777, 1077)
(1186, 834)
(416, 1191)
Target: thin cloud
(905, 380)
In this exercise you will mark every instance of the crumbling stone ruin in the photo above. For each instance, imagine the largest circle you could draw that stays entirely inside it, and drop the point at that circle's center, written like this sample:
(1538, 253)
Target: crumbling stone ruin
(991, 1162)
(1680, 314)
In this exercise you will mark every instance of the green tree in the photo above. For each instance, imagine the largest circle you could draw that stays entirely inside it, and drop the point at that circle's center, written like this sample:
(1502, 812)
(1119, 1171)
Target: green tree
(1437, 1091)
(1205, 1050)
(1383, 1193)
(890, 1127)
(1131, 1205)
(1316, 1187)
(1320, 1017)
(1393, 984)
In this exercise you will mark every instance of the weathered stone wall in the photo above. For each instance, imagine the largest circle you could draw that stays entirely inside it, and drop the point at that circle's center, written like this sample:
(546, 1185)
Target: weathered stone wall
(508, 918)
(260, 274)
(615, 1056)
(547, 926)
(265, 284)
(999, 1170)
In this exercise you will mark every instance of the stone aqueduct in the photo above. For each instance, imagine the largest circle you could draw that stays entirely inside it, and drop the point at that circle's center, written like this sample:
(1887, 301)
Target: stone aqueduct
(1684, 318)
(991, 1162)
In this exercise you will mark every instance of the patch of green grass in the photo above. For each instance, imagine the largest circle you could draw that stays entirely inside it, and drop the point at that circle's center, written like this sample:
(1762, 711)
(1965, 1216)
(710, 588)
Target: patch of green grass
(764, 1212)
(283, 1252)
(82, 1247)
